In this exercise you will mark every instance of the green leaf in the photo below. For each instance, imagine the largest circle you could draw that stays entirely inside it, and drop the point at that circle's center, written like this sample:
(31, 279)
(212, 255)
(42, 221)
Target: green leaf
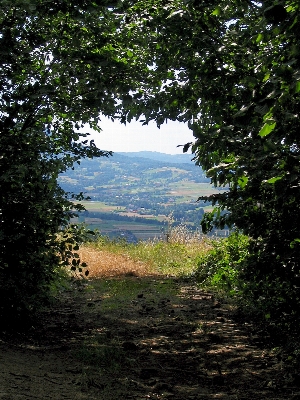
(242, 181)
(294, 242)
(273, 180)
(267, 129)
(129, 53)
(217, 11)
(259, 38)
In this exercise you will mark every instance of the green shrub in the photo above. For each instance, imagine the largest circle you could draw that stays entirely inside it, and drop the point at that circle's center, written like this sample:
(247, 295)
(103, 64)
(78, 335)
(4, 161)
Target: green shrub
(266, 288)
(220, 267)
(271, 291)
(28, 279)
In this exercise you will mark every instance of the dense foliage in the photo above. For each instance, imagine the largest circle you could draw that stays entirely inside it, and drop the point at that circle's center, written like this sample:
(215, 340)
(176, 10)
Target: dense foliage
(59, 68)
(220, 267)
(231, 71)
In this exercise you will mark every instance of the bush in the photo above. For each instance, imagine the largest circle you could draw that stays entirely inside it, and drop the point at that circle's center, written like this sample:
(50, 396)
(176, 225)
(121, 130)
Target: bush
(221, 266)
(28, 274)
(271, 291)
(266, 287)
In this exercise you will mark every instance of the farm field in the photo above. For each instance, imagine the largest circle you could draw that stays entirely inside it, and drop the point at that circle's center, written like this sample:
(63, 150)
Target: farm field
(140, 231)
(191, 191)
(100, 206)
(114, 228)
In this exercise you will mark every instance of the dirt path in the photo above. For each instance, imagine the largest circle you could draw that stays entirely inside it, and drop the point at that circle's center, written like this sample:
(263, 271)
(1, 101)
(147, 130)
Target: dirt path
(140, 338)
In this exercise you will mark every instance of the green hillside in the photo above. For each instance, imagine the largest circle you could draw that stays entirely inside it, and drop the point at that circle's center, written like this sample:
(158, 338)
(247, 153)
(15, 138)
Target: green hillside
(135, 189)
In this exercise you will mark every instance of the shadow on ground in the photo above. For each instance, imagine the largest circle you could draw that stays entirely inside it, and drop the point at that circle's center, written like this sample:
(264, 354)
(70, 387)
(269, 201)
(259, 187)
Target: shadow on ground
(140, 338)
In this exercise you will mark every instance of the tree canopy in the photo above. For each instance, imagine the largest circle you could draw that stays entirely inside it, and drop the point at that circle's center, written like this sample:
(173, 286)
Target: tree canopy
(60, 66)
(231, 71)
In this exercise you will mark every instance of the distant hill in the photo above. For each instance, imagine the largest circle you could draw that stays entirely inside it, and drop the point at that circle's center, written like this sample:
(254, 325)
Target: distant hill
(167, 158)
(131, 173)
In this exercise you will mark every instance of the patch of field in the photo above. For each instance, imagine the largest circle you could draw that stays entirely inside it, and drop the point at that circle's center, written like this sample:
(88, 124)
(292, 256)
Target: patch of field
(99, 206)
(132, 178)
(143, 231)
(89, 188)
(103, 225)
(140, 230)
(208, 208)
(191, 189)
(162, 218)
(164, 169)
(92, 221)
(146, 216)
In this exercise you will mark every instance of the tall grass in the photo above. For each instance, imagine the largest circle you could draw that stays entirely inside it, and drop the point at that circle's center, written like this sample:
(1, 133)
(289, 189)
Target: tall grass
(177, 256)
(213, 262)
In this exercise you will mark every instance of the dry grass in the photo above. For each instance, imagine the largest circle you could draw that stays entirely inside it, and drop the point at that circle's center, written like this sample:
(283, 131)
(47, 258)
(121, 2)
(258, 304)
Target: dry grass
(102, 263)
(179, 256)
(181, 234)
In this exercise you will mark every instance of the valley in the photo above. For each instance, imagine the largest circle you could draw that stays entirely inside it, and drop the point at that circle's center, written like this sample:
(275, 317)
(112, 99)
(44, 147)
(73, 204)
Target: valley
(138, 197)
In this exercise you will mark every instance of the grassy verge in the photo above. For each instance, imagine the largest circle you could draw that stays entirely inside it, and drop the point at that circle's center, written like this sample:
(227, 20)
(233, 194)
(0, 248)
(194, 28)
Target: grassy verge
(178, 257)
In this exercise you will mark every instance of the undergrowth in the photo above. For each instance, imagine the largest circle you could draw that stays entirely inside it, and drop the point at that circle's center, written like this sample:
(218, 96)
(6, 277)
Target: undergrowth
(220, 267)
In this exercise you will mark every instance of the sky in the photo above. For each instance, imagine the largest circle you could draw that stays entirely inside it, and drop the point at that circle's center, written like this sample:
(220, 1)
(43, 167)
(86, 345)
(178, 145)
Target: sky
(117, 137)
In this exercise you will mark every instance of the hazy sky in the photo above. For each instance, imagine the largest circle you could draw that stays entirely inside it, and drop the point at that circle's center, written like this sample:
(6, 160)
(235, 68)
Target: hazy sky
(136, 137)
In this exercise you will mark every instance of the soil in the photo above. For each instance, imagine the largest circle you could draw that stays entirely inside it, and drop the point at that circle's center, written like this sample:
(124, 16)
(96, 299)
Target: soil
(165, 338)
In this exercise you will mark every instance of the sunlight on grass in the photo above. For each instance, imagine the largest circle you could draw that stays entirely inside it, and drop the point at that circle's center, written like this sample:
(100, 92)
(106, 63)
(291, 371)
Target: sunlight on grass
(111, 261)
(179, 256)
